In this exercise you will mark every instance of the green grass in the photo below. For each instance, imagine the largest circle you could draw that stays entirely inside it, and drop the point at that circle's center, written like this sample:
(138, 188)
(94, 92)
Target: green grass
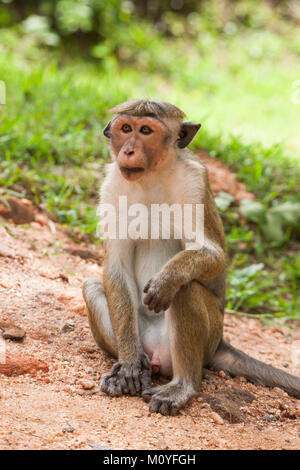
(52, 149)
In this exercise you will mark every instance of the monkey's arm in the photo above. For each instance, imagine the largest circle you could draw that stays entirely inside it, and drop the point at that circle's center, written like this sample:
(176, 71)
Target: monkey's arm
(196, 262)
(204, 264)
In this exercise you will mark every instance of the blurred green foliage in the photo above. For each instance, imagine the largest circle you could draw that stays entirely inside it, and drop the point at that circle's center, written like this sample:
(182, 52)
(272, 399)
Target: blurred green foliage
(210, 50)
(230, 65)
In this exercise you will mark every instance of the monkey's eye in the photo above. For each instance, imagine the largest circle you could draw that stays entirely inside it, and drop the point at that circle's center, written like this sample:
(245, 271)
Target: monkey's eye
(146, 130)
(126, 128)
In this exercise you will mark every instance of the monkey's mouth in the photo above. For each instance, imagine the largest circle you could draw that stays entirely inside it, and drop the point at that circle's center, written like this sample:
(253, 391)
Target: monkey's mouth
(131, 172)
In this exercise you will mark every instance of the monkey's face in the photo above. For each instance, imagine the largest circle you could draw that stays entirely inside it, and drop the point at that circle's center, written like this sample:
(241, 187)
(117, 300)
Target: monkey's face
(140, 144)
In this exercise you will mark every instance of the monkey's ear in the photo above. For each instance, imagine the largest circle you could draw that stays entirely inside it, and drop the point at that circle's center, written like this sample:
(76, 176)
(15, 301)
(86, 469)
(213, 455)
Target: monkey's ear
(187, 133)
(106, 130)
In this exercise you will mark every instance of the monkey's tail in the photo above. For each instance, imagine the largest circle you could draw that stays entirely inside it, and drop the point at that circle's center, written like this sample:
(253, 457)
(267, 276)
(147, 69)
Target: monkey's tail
(236, 362)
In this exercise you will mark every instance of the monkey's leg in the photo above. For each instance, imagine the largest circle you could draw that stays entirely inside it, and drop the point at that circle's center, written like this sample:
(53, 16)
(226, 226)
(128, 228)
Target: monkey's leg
(98, 315)
(123, 378)
(195, 325)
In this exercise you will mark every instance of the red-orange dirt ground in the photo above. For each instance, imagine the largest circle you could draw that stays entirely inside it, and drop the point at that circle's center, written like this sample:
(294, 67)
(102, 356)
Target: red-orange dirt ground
(50, 367)
(50, 397)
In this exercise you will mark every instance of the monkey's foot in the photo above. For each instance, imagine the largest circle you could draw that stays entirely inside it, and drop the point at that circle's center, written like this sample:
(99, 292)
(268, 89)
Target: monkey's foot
(168, 399)
(127, 378)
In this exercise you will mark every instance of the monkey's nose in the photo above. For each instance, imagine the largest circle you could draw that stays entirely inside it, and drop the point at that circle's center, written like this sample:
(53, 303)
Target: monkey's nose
(129, 152)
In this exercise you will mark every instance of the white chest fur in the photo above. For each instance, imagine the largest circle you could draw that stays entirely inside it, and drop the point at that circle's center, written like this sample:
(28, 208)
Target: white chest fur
(180, 184)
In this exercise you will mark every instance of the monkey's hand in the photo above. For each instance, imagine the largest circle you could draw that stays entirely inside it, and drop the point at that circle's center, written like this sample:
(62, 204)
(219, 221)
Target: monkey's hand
(160, 291)
(128, 378)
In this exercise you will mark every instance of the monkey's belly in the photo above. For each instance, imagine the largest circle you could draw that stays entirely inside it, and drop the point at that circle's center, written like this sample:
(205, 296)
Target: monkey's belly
(150, 256)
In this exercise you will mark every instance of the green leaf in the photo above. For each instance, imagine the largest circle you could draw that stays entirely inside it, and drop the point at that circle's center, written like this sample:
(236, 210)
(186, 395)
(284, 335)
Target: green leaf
(252, 210)
(272, 229)
(249, 271)
(223, 200)
(288, 212)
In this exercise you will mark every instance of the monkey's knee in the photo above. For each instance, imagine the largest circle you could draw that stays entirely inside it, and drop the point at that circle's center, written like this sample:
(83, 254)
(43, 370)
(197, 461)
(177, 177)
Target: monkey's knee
(200, 300)
(98, 315)
(92, 288)
(192, 299)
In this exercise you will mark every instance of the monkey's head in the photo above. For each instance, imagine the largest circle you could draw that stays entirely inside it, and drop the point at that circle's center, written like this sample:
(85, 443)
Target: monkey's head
(145, 135)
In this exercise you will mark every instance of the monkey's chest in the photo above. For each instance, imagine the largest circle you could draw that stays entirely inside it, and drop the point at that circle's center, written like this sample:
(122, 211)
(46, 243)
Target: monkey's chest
(150, 256)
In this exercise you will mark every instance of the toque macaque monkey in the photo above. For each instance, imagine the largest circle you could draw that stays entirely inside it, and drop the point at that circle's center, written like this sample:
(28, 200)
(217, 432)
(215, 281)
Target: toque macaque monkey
(161, 305)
